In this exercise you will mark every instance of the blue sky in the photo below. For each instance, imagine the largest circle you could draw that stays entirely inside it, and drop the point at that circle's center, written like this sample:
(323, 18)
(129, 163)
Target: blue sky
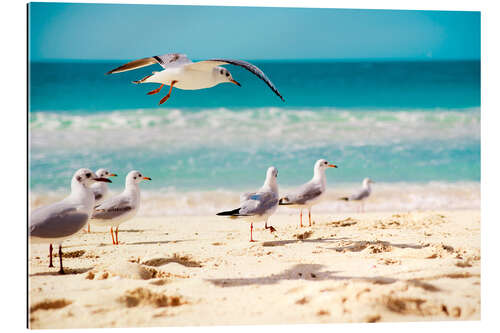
(119, 32)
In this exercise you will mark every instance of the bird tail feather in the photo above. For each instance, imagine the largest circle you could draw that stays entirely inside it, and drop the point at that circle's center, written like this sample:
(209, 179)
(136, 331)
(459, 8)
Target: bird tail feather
(230, 212)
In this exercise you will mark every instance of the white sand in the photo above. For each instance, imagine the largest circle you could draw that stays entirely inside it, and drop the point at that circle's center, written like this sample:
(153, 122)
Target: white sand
(203, 271)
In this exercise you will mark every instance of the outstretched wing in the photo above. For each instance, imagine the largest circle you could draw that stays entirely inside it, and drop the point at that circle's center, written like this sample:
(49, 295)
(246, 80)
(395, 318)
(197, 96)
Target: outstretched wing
(208, 64)
(112, 208)
(166, 60)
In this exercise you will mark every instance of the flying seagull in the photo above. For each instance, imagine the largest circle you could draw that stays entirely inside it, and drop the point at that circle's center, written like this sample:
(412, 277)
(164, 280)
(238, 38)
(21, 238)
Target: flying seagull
(311, 192)
(180, 71)
(258, 206)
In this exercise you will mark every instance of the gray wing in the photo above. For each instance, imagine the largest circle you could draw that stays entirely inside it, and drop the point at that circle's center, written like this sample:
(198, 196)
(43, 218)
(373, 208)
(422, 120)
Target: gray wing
(246, 196)
(259, 203)
(112, 208)
(248, 66)
(166, 60)
(57, 220)
(364, 193)
(305, 193)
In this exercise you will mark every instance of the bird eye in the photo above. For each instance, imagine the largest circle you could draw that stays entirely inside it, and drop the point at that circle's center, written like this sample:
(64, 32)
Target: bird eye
(87, 175)
(135, 177)
(221, 71)
(326, 163)
(140, 175)
(227, 74)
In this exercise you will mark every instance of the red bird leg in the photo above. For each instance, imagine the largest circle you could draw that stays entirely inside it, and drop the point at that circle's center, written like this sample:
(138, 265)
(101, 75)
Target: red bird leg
(157, 90)
(270, 227)
(88, 227)
(50, 256)
(112, 236)
(251, 229)
(164, 99)
(116, 235)
(301, 218)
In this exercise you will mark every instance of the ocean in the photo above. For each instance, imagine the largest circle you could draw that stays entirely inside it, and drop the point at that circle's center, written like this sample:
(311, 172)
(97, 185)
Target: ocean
(413, 127)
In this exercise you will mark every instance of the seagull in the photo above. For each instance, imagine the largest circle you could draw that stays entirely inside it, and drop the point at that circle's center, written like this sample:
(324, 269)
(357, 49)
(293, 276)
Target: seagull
(180, 71)
(100, 189)
(56, 222)
(311, 192)
(362, 194)
(258, 206)
(118, 209)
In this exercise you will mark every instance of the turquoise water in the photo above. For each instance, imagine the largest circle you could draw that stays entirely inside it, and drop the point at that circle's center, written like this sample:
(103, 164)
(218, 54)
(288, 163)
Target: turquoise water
(413, 122)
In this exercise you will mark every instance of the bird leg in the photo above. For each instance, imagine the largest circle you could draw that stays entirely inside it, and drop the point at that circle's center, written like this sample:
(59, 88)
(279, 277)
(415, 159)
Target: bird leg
(88, 227)
(309, 217)
(50, 256)
(251, 229)
(270, 227)
(116, 235)
(164, 99)
(157, 90)
(301, 218)
(61, 270)
(112, 236)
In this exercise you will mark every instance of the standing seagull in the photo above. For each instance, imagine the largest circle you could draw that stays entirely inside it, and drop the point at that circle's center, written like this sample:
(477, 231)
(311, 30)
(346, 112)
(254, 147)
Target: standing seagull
(258, 206)
(100, 189)
(362, 194)
(187, 75)
(56, 222)
(311, 192)
(116, 210)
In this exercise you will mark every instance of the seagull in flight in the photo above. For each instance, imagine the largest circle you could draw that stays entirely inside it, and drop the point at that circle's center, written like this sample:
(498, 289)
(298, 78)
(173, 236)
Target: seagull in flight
(181, 72)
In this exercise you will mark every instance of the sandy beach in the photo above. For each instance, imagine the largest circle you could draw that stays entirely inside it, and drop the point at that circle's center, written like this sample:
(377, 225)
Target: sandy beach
(201, 270)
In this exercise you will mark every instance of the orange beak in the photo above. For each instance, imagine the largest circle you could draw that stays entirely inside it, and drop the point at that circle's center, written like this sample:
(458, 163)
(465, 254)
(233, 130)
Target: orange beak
(235, 82)
(332, 166)
(146, 178)
(113, 175)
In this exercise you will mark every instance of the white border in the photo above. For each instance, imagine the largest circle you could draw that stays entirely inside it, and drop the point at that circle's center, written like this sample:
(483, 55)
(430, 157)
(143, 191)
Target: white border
(13, 134)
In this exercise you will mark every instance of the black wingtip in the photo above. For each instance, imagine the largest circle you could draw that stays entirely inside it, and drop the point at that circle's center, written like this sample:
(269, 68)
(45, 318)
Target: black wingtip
(229, 212)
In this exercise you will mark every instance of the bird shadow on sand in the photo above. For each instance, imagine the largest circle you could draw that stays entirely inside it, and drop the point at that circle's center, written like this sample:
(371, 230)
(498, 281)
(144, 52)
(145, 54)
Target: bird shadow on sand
(293, 241)
(313, 272)
(161, 242)
(67, 271)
